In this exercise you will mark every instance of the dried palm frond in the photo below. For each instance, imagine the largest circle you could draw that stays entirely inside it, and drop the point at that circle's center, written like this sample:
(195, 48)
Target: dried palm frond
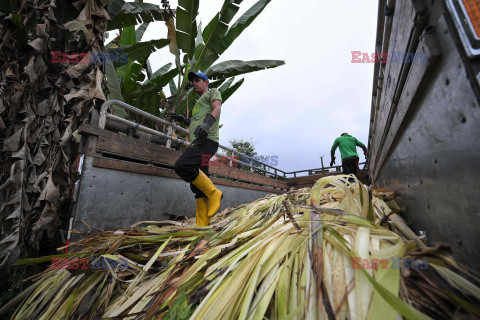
(281, 257)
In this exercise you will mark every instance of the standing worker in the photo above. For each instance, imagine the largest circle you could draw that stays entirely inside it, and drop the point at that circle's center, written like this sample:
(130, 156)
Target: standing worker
(348, 150)
(204, 136)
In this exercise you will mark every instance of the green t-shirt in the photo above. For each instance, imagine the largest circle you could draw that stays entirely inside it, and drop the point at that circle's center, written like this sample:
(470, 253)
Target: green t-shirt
(348, 146)
(201, 109)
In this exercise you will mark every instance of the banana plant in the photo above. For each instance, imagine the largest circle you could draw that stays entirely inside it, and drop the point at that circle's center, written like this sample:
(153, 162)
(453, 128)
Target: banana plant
(201, 49)
(194, 49)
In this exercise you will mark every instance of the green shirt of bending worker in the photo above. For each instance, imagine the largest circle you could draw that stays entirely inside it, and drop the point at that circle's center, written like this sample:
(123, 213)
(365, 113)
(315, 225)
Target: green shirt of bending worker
(348, 150)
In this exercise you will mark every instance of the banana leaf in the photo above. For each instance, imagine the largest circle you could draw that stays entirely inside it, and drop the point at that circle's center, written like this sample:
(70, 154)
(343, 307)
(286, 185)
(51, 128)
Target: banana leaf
(186, 25)
(232, 68)
(238, 27)
(127, 14)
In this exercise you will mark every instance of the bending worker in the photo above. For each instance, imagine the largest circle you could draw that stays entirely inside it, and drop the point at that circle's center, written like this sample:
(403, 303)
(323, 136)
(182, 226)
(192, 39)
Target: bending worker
(204, 136)
(348, 150)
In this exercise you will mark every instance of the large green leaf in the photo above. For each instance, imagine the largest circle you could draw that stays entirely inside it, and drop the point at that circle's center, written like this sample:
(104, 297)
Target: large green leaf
(173, 87)
(149, 101)
(115, 92)
(216, 84)
(226, 85)
(232, 68)
(241, 24)
(186, 24)
(131, 74)
(133, 13)
(115, 7)
(128, 36)
(231, 90)
(216, 29)
(142, 50)
(113, 85)
(141, 31)
(159, 72)
(162, 80)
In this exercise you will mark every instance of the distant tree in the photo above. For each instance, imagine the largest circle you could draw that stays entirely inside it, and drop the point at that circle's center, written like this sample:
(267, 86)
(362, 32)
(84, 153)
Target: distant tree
(247, 148)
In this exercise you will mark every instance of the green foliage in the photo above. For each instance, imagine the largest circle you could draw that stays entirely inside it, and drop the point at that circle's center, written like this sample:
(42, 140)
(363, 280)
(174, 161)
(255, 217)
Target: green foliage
(247, 148)
(243, 146)
(126, 14)
(232, 68)
(180, 309)
(193, 49)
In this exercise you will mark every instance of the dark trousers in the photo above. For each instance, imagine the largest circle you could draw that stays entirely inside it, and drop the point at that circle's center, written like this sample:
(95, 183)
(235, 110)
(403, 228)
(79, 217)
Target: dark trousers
(350, 165)
(191, 160)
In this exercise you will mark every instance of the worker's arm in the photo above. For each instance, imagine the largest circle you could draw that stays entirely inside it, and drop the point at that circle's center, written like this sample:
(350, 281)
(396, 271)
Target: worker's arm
(332, 152)
(364, 150)
(179, 118)
(216, 108)
(361, 145)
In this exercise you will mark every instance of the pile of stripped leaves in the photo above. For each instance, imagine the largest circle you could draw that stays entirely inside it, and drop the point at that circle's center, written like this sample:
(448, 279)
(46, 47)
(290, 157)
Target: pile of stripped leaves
(319, 253)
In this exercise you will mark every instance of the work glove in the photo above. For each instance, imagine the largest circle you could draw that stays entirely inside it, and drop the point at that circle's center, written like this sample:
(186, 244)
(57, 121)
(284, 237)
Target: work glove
(332, 162)
(202, 131)
(179, 118)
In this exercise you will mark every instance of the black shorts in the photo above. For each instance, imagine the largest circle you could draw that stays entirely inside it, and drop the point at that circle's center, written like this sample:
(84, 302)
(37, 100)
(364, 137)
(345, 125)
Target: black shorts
(350, 165)
(195, 158)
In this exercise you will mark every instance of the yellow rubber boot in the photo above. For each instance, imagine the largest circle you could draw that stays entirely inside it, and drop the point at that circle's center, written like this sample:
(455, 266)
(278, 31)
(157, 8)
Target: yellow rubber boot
(214, 195)
(201, 212)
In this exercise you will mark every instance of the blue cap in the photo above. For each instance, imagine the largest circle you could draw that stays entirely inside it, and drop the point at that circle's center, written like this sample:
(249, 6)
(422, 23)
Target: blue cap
(201, 75)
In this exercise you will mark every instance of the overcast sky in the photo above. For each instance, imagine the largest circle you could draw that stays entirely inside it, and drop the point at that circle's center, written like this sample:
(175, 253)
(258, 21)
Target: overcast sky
(297, 110)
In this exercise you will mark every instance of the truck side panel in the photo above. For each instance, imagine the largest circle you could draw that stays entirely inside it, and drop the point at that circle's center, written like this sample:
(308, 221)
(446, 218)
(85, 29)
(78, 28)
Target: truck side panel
(109, 199)
(434, 162)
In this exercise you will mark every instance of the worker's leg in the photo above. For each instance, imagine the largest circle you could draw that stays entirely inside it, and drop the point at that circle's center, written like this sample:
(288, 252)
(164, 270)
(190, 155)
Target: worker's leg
(214, 195)
(188, 164)
(349, 166)
(198, 193)
(189, 168)
(356, 167)
(201, 212)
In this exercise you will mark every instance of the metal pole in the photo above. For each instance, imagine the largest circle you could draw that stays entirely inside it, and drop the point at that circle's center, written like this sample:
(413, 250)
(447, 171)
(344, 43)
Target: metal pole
(169, 141)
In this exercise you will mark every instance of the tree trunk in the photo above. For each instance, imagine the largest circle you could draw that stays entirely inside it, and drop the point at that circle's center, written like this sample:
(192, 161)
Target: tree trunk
(46, 91)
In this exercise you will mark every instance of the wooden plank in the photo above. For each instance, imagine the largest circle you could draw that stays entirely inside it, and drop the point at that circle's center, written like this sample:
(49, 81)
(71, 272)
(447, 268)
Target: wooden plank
(309, 180)
(246, 176)
(242, 185)
(145, 151)
(114, 164)
(429, 45)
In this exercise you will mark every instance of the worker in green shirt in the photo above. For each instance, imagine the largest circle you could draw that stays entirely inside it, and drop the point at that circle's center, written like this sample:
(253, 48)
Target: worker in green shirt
(192, 166)
(348, 150)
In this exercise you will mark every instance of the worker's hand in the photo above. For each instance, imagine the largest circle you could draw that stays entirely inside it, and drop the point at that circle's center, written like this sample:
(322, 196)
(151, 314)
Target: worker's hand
(179, 118)
(202, 131)
(332, 162)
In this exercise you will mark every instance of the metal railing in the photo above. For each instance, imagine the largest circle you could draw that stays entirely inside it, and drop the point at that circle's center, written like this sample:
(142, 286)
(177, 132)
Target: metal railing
(104, 115)
(252, 164)
(322, 170)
